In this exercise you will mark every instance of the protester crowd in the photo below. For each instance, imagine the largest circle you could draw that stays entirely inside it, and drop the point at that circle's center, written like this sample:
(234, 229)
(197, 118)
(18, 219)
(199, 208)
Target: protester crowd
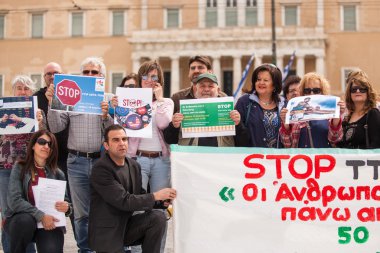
(119, 187)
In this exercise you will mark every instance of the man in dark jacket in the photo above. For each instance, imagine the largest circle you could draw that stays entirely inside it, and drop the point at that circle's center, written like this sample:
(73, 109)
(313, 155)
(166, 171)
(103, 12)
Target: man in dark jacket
(116, 193)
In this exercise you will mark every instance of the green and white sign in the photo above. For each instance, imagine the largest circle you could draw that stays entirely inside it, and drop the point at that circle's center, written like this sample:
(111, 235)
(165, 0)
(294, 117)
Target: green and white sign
(207, 117)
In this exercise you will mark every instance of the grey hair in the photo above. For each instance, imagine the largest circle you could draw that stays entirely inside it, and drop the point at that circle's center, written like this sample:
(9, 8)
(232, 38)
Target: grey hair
(97, 61)
(24, 79)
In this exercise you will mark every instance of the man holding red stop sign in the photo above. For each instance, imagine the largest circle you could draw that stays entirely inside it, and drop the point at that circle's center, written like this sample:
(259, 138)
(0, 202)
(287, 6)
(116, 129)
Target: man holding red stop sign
(85, 136)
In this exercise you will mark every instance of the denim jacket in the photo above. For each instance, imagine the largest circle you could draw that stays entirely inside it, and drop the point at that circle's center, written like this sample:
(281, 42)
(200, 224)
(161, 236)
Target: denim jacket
(18, 201)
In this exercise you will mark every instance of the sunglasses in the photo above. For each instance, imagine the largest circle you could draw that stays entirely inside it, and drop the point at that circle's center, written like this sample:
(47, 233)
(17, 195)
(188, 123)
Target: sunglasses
(43, 142)
(355, 89)
(131, 85)
(308, 91)
(93, 72)
(154, 78)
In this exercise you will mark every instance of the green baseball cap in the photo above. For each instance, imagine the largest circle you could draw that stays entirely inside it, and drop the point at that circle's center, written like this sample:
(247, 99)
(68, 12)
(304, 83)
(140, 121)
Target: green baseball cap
(210, 76)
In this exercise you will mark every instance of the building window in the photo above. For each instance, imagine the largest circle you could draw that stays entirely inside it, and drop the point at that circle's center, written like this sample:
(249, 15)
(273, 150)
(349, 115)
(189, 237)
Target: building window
(349, 18)
(2, 26)
(117, 23)
(251, 13)
(116, 80)
(77, 24)
(290, 17)
(231, 13)
(1, 85)
(37, 25)
(211, 13)
(37, 78)
(172, 18)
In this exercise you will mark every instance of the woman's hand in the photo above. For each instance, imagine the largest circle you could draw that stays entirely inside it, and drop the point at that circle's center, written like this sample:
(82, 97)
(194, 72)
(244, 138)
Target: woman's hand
(283, 113)
(39, 116)
(15, 118)
(235, 116)
(104, 106)
(342, 109)
(4, 118)
(62, 206)
(48, 222)
(50, 93)
(114, 101)
(158, 93)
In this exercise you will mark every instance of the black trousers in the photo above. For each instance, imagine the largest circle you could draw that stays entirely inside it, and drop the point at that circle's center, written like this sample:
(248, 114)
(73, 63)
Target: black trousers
(22, 229)
(146, 229)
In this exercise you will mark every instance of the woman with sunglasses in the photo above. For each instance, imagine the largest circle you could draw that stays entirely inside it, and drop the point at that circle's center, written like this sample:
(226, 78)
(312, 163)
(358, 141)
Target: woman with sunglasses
(314, 133)
(362, 123)
(260, 109)
(21, 214)
(12, 148)
(130, 81)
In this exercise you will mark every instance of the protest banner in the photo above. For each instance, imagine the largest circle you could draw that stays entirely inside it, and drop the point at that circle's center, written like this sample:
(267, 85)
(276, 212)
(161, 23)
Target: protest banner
(134, 111)
(79, 94)
(18, 115)
(315, 107)
(276, 200)
(207, 117)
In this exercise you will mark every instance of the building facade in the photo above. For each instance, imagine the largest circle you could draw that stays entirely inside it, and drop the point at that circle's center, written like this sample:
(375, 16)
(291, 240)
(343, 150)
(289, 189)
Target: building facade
(330, 37)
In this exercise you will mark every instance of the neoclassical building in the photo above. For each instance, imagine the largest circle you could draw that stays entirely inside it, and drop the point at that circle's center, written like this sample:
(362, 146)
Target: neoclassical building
(330, 37)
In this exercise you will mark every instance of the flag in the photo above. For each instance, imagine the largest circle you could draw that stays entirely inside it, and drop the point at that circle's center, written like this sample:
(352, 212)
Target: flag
(287, 67)
(244, 76)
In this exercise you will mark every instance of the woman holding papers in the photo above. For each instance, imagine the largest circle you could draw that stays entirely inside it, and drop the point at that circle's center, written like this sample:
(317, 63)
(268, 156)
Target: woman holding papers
(313, 133)
(260, 109)
(362, 123)
(13, 147)
(22, 215)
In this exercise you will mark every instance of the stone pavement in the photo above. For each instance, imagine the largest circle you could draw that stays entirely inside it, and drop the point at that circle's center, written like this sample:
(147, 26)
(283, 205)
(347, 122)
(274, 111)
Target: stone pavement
(71, 247)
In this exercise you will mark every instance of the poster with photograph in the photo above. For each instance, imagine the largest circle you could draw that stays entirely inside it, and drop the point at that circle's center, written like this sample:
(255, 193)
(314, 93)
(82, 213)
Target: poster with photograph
(134, 111)
(80, 94)
(315, 107)
(18, 115)
(207, 117)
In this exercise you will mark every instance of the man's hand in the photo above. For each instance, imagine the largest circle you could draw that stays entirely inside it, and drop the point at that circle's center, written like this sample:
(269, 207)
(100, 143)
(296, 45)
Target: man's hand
(114, 101)
(177, 119)
(165, 194)
(50, 93)
(104, 106)
(235, 116)
(62, 206)
(39, 116)
(48, 222)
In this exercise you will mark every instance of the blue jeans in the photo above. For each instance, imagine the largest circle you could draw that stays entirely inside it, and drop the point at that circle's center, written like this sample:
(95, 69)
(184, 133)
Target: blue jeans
(156, 172)
(79, 171)
(5, 241)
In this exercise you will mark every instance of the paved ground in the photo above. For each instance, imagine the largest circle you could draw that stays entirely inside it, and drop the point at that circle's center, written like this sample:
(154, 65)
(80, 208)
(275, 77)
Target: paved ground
(70, 244)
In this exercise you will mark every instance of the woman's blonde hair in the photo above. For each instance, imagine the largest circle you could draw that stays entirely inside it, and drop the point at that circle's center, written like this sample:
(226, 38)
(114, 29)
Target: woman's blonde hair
(359, 78)
(312, 76)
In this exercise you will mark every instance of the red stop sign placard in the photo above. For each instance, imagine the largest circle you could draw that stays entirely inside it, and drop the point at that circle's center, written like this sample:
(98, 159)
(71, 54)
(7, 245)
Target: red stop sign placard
(68, 92)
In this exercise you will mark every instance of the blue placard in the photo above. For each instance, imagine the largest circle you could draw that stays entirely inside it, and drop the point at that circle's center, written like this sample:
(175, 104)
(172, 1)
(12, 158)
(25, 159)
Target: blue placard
(91, 94)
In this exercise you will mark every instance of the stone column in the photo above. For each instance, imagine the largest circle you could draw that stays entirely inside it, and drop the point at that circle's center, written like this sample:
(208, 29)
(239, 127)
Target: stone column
(258, 61)
(320, 12)
(144, 14)
(174, 74)
(280, 62)
(237, 72)
(320, 65)
(300, 65)
(221, 9)
(217, 69)
(241, 13)
(202, 13)
(135, 64)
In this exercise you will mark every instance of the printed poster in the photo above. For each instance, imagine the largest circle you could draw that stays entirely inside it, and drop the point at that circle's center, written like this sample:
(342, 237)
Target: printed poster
(80, 94)
(134, 111)
(18, 115)
(315, 107)
(275, 200)
(207, 117)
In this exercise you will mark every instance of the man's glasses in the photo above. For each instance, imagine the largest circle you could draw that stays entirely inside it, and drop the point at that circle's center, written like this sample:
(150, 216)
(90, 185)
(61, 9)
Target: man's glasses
(154, 78)
(93, 72)
(43, 142)
(355, 89)
(308, 91)
(51, 73)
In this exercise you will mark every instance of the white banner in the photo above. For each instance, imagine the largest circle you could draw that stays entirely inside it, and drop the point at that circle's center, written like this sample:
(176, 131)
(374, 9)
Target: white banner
(276, 200)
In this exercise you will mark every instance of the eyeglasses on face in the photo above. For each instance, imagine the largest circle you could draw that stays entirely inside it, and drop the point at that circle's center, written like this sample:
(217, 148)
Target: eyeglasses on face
(153, 78)
(355, 89)
(43, 142)
(51, 73)
(93, 72)
(308, 91)
(131, 85)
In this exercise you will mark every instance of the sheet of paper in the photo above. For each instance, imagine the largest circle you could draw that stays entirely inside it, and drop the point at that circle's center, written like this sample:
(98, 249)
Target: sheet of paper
(46, 194)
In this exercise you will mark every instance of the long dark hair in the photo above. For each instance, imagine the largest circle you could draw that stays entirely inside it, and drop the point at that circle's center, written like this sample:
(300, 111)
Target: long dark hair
(51, 162)
(276, 75)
